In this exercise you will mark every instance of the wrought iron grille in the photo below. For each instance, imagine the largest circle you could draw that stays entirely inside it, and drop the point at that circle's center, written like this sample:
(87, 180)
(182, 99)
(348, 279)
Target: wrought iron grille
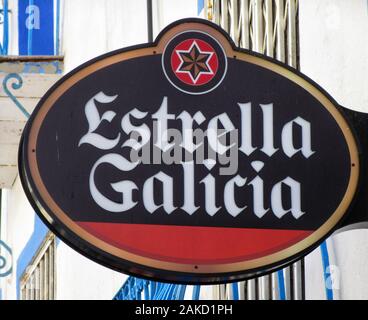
(139, 289)
(38, 280)
(268, 27)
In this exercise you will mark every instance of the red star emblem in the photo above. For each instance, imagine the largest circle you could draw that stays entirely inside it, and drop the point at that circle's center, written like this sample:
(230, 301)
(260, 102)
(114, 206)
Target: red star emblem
(194, 62)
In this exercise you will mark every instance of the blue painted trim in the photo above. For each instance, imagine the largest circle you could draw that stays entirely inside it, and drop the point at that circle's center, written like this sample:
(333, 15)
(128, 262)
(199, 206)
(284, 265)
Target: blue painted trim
(57, 27)
(281, 282)
(57, 67)
(326, 264)
(152, 286)
(34, 242)
(235, 288)
(30, 35)
(196, 292)
(181, 293)
(200, 6)
(146, 291)
(170, 292)
(5, 46)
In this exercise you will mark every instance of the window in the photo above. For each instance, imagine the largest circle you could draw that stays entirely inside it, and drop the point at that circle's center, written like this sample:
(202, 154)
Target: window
(38, 280)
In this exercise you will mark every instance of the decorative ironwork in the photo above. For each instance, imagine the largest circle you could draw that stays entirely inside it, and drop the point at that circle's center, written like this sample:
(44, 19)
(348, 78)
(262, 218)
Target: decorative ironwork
(6, 265)
(16, 86)
(140, 289)
(264, 26)
(38, 281)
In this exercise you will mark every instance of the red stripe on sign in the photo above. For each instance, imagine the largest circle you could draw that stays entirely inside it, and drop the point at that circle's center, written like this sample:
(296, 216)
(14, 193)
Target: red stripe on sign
(194, 245)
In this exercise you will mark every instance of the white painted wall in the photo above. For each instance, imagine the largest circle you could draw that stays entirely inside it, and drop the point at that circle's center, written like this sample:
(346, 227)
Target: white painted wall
(314, 280)
(105, 25)
(352, 261)
(167, 11)
(334, 48)
(13, 28)
(79, 278)
(91, 28)
(334, 53)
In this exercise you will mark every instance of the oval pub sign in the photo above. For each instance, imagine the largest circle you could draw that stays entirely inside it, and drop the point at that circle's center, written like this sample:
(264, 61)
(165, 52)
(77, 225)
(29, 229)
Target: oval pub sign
(189, 160)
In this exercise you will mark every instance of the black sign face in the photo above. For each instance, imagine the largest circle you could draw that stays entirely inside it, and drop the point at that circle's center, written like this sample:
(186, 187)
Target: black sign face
(189, 160)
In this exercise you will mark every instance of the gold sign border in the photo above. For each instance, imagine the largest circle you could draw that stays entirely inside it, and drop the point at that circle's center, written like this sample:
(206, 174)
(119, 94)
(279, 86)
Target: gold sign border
(231, 52)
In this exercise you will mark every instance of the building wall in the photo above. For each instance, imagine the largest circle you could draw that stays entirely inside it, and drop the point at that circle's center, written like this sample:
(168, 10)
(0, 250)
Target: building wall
(105, 25)
(352, 260)
(80, 278)
(332, 52)
(334, 48)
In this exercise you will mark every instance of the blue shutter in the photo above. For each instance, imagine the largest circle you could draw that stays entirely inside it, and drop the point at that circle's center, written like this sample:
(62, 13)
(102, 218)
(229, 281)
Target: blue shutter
(36, 27)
